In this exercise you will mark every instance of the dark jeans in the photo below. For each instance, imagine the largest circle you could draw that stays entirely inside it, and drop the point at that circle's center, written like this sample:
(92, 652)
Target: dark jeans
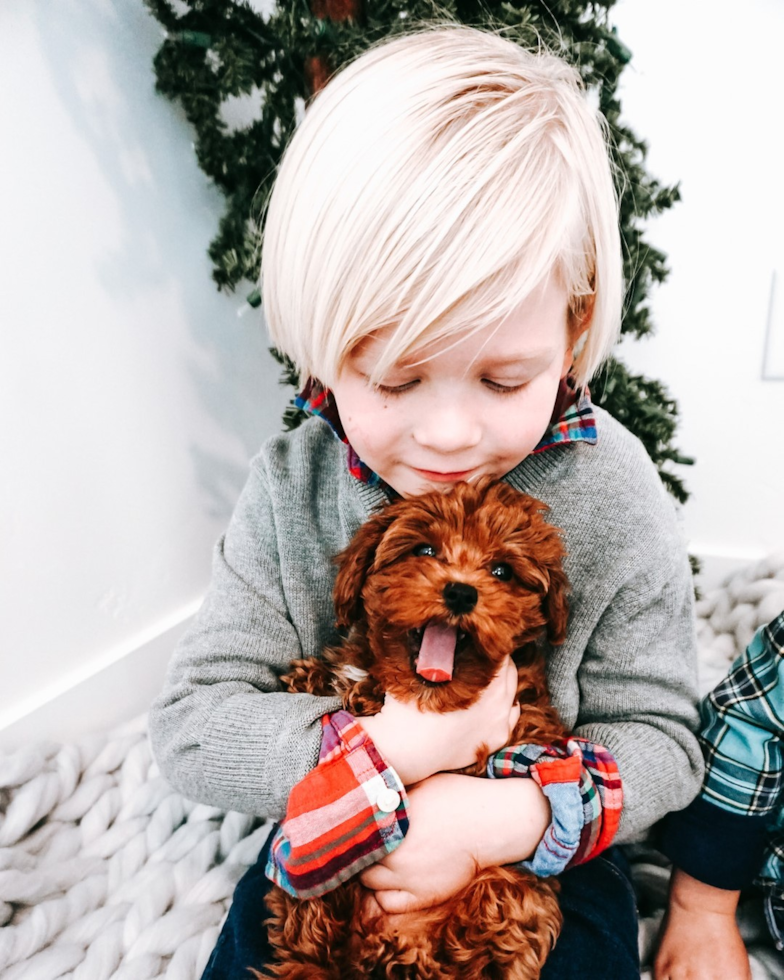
(598, 940)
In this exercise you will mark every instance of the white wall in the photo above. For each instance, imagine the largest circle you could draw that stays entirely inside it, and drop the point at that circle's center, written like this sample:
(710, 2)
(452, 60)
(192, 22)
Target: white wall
(131, 396)
(705, 90)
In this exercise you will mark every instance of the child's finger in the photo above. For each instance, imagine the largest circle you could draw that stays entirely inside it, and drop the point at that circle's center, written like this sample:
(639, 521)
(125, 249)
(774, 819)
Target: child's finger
(510, 678)
(394, 901)
(377, 878)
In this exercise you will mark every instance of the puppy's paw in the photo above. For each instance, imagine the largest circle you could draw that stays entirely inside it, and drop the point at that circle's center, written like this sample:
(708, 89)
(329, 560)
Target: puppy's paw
(311, 676)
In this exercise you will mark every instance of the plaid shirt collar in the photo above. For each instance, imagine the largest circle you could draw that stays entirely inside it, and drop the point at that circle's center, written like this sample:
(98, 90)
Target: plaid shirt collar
(573, 420)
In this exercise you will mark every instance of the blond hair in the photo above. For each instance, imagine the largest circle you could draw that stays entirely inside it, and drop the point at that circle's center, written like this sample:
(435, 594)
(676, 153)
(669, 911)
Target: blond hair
(433, 184)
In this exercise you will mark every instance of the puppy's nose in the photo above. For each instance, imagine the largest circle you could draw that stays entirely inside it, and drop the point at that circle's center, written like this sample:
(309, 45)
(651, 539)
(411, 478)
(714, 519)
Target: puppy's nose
(459, 597)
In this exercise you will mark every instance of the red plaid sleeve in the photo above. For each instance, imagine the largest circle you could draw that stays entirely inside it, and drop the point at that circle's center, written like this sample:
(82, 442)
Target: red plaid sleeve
(346, 814)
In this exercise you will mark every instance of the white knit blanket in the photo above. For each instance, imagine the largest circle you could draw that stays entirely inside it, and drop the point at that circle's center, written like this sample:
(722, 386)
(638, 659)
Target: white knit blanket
(107, 874)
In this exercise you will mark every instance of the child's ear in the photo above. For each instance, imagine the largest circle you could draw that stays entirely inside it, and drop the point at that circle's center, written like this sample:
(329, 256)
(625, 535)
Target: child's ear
(354, 565)
(579, 320)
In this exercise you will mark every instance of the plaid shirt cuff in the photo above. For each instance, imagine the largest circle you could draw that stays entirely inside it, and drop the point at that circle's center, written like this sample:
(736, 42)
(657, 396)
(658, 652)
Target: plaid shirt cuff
(346, 814)
(583, 786)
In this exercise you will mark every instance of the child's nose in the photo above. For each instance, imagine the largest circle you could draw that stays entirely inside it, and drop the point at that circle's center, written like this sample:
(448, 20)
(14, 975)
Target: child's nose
(448, 428)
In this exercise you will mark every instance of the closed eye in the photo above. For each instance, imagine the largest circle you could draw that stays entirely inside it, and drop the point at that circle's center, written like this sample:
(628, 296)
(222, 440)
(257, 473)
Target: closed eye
(396, 389)
(502, 389)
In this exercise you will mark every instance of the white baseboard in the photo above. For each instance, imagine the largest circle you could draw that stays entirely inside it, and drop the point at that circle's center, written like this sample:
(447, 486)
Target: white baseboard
(110, 691)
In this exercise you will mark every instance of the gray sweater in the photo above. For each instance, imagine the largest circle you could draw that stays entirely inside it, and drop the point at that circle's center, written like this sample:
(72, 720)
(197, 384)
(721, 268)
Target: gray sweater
(224, 733)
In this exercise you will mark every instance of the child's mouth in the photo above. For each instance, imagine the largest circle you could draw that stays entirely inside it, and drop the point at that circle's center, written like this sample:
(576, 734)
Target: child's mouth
(454, 477)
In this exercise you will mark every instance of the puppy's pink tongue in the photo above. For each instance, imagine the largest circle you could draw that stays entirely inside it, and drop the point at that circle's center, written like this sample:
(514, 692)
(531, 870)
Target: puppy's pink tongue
(437, 654)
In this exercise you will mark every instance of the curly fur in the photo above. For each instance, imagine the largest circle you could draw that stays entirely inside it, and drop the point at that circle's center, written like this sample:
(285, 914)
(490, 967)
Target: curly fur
(503, 925)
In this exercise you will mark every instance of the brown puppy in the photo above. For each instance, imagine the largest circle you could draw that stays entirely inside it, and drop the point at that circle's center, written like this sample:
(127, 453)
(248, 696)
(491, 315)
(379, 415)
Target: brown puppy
(436, 591)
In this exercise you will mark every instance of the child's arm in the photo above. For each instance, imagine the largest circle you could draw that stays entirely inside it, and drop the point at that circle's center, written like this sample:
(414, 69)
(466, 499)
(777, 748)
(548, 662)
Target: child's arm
(352, 810)
(637, 684)
(717, 843)
(626, 676)
(701, 940)
(561, 809)
(458, 824)
(222, 731)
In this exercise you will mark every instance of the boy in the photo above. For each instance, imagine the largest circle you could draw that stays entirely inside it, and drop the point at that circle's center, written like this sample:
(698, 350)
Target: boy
(442, 263)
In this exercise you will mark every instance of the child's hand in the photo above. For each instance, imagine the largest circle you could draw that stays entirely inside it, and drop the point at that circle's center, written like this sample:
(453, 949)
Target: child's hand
(451, 819)
(437, 857)
(419, 743)
(700, 940)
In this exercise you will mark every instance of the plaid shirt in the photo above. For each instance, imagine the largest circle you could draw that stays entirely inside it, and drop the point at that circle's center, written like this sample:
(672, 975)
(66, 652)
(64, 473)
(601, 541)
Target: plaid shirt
(734, 830)
(351, 810)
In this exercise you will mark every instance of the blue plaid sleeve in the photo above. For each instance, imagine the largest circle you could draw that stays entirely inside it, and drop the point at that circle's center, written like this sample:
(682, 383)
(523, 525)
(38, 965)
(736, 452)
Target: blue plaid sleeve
(720, 837)
(743, 724)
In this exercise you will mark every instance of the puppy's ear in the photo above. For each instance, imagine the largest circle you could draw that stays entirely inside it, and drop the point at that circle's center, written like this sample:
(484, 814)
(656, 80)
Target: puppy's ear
(547, 558)
(354, 564)
(556, 603)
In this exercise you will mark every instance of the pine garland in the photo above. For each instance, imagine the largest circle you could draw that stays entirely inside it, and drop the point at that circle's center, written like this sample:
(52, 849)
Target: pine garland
(217, 50)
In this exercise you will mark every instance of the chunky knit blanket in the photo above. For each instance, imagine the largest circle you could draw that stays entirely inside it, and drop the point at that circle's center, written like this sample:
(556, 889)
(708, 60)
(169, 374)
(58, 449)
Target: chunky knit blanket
(107, 874)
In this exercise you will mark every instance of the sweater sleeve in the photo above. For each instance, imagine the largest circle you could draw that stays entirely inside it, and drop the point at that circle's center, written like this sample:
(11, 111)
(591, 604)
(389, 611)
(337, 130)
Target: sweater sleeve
(741, 736)
(637, 683)
(626, 675)
(223, 731)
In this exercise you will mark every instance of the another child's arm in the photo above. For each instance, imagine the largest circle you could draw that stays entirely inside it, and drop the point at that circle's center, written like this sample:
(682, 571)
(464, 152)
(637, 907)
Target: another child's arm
(717, 843)
(701, 939)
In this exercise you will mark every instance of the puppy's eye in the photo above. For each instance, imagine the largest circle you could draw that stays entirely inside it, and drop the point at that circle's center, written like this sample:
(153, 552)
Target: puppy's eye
(502, 570)
(425, 551)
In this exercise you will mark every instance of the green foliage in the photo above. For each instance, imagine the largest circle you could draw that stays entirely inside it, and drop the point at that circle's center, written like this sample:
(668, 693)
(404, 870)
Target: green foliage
(292, 416)
(216, 50)
(645, 408)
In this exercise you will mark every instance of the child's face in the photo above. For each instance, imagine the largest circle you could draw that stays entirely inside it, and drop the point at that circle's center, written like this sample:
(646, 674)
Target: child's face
(477, 409)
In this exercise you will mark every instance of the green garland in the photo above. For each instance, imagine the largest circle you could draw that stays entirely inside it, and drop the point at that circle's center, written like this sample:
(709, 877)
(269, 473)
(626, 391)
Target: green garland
(218, 49)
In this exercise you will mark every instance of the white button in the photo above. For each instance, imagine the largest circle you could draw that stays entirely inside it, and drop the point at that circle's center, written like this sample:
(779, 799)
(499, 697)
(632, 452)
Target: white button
(388, 800)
